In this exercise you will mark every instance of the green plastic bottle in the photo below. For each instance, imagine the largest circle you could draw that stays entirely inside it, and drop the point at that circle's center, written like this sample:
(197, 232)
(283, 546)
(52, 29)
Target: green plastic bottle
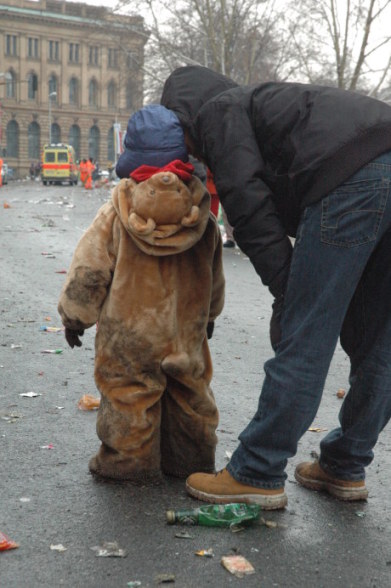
(215, 515)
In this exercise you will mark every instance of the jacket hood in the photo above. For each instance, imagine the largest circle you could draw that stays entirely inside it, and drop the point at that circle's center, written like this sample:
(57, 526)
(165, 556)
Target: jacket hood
(188, 88)
(162, 215)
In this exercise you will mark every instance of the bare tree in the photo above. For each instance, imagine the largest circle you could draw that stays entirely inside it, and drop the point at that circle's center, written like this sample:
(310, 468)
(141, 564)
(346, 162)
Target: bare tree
(344, 43)
(239, 38)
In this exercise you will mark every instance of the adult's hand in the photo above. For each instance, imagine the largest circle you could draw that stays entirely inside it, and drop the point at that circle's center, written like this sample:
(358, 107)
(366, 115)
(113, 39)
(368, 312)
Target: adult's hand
(72, 337)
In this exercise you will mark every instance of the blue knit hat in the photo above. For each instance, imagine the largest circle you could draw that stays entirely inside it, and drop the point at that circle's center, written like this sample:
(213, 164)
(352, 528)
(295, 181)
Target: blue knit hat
(154, 137)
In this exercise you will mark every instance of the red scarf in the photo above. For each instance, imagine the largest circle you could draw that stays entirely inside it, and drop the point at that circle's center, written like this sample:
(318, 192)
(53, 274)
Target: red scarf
(184, 171)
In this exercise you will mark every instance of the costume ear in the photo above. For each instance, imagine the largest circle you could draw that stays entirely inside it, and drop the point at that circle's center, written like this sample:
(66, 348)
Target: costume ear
(140, 226)
(192, 218)
(123, 194)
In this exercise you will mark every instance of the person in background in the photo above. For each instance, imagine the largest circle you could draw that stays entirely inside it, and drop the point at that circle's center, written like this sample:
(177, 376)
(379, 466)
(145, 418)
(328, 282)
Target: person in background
(83, 171)
(90, 167)
(37, 169)
(314, 163)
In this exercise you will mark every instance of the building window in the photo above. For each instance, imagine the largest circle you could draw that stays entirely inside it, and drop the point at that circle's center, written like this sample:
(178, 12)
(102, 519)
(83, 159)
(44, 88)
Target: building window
(10, 45)
(54, 51)
(74, 52)
(93, 56)
(56, 133)
(112, 58)
(93, 94)
(74, 139)
(93, 143)
(10, 84)
(110, 145)
(34, 140)
(130, 95)
(32, 80)
(12, 139)
(32, 47)
(73, 91)
(53, 87)
(111, 95)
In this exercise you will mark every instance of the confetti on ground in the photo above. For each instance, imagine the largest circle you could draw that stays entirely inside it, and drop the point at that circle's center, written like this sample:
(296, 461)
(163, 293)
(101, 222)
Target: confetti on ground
(60, 548)
(30, 394)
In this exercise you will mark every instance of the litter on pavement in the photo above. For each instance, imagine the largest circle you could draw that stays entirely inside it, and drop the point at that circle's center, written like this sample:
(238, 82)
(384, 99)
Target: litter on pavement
(88, 402)
(237, 565)
(30, 394)
(109, 549)
(60, 547)
(7, 543)
(205, 552)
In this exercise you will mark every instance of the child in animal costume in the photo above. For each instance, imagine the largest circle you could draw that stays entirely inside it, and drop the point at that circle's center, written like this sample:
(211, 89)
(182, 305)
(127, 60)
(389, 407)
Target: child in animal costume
(149, 271)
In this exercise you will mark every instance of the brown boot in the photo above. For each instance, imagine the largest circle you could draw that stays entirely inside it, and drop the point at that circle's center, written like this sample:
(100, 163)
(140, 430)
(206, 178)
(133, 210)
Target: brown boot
(222, 488)
(310, 475)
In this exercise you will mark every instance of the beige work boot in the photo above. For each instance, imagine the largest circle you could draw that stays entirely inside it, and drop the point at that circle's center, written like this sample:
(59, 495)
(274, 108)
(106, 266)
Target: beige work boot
(222, 488)
(310, 475)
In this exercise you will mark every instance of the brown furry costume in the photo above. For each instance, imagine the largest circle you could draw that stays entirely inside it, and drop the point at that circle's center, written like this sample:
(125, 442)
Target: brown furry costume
(149, 270)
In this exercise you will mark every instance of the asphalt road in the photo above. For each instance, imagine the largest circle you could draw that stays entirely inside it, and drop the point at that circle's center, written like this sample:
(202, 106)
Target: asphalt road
(48, 497)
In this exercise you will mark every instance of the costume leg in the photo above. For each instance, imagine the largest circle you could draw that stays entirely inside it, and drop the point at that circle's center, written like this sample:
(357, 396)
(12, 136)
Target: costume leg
(128, 424)
(335, 240)
(366, 338)
(189, 421)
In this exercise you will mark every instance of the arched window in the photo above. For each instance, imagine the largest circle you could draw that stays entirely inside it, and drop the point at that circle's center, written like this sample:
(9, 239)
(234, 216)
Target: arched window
(111, 95)
(110, 145)
(93, 93)
(74, 139)
(56, 133)
(10, 90)
(93, 142)
(53, 87)
(74, 91)
(34, 140)
(32, 80)
(12, 139)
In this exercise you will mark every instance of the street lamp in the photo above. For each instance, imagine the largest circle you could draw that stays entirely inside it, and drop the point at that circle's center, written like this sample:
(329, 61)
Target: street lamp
(51, 95)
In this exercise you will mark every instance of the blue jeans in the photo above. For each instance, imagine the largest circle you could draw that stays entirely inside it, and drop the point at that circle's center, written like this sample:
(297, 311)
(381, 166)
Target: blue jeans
(339, 285)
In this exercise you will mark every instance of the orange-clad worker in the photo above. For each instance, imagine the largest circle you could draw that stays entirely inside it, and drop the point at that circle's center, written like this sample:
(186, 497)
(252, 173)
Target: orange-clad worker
(214, 199)
(89, 169)
(83, 171)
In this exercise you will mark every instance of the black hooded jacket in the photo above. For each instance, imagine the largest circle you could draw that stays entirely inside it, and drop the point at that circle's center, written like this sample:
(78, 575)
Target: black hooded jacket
(274, 149)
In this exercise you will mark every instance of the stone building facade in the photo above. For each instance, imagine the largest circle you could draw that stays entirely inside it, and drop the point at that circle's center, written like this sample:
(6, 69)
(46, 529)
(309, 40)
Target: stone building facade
(69, 73)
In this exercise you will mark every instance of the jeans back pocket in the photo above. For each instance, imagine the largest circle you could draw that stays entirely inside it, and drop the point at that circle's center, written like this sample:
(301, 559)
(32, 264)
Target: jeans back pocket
(351, 214)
